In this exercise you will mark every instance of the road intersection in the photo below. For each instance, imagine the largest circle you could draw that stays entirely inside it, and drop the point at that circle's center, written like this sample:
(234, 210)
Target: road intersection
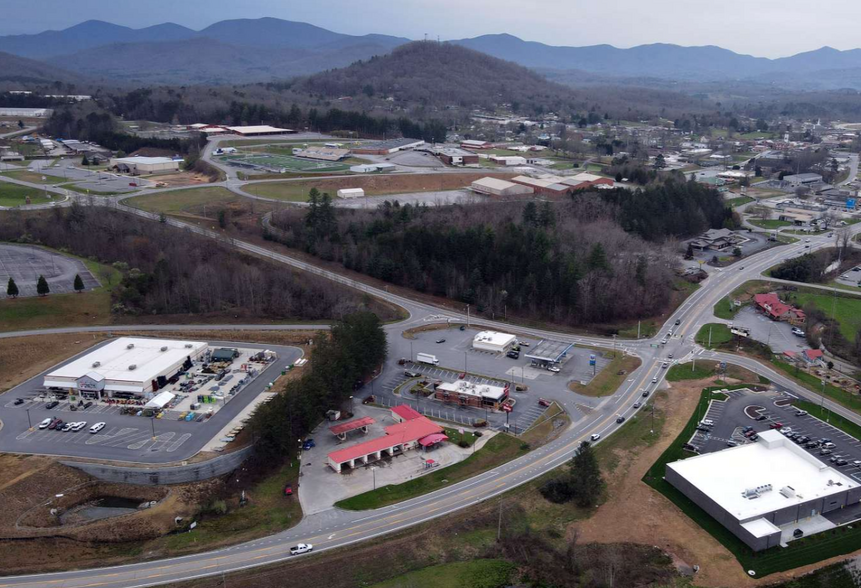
(337, 528)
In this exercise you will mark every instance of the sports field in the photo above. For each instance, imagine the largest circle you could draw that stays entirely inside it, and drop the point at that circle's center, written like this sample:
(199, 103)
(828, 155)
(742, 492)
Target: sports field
(274, 162)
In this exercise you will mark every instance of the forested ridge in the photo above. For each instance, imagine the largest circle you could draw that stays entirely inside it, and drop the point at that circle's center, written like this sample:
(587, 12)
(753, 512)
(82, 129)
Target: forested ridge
(570, 262)
(170, 271)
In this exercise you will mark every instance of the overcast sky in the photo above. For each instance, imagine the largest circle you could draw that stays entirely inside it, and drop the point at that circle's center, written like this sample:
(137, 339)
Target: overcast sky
(768, 28)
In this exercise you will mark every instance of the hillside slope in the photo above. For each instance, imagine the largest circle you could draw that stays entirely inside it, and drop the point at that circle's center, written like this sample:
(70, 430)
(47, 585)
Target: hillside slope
(439, 75)
(20, 69)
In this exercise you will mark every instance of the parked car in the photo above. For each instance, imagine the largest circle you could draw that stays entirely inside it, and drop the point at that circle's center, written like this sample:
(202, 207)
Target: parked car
(288, 490)
(797, 332)
(46, 423)
(308, 444)
(301, 548)
(708, 422)
(412, 374)
(78, 426)
(513, 354)
(801, 413)
(761, 417)
(798, 533)
(703, 429)
(775, 426)
(523, 343)
(825, 452)
(754, 437)
(19, 401)
(66, 427)
(553, 369)
(746, 429)
(543, 402)
(56, 423)
(841, 462)
(750, 434)
(96, 428)
(440, 340)
(731, 443)
(51, 404)
(88, 404)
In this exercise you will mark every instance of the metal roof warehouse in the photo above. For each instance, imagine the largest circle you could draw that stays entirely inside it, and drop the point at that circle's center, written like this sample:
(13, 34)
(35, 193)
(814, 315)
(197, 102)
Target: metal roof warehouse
(128, 365)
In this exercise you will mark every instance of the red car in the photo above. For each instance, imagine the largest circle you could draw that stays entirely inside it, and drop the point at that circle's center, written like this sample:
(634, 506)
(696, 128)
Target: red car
(543, 402)
(775, 426)
(288, 490)
(462, 375)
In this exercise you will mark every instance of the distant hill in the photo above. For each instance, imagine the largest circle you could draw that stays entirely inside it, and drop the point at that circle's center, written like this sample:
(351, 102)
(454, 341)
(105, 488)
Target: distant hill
(21, 69)
(203, 60)
(440, 75)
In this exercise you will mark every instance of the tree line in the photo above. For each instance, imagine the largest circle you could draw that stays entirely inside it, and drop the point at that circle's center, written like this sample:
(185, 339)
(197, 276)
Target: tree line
(569, 262)
(170, 271)
(340, 363)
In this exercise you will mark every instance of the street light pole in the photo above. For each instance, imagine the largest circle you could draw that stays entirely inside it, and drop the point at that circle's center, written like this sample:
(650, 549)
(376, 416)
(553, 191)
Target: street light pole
(152, 422)
(29, 424)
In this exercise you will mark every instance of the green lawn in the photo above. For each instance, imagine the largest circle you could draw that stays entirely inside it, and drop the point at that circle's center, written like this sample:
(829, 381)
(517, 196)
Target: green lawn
(805, 551)
(719, 334)
(267, 512)
(813, 383)
(693, 371)
(32, 177)
(770, 223)
(502, 448)
(181, 202)
(92, 307)
(638, 432)
(725, 309)
(15, 195)
(847, 309)
(477, 573)
(608, 380)
(733, 202)
(289, 191)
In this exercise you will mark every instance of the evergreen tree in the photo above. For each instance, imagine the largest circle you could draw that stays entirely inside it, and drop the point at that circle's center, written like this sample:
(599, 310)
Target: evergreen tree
(326, 224)
(312, 217)
(42, 288)
(660, 162)
(547, 218)
(12, 289)
(598, 258)
(79, 283)
(587, 484)
(530, 213)
(85, 161)
(689, 254)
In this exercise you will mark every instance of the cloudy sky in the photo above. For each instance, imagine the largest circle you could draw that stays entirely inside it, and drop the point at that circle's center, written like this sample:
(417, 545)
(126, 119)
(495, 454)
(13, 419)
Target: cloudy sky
(768, 28)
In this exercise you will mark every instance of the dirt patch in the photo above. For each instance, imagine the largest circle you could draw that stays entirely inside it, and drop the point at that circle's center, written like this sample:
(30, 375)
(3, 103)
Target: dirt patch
(181, 179)
(25, 357)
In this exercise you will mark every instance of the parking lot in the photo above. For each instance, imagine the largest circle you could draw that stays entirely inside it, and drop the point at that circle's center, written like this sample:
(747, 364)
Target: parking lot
(851, 277)
(125, 437)
(761, 411)
(455, 353)
(778, 335)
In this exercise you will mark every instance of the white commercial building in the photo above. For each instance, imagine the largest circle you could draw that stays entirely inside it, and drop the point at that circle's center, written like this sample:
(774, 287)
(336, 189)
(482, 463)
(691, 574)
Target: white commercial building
(258, 130)
(128, 365)
(145, 165)
(757, 488)
(493, 341)
(469, 394)
(497, 187)
(27, 112)
(351, 193)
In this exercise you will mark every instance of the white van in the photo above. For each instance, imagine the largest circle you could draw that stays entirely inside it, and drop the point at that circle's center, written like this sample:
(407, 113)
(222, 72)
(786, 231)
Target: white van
(96, 428)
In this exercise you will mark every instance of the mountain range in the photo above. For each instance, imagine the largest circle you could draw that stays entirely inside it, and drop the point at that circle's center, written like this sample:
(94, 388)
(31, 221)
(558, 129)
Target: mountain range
(253, 50)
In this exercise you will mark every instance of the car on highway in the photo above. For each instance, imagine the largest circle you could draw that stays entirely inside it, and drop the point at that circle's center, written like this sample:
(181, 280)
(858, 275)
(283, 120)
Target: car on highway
(301, 548)
(807, 240)
(665, 365)
(638, 404)
(741, 268)
(655, 380)
(620, 419)
(46, 423)
(645, 393)
(96, 428)
(595, 436)
(664, 341)
(669, 356)
(678, 322)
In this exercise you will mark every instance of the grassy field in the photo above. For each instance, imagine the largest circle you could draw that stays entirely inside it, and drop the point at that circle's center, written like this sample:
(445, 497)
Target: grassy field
(32, 177)
(15, 195)
(706, 369)
(770, 223)
(608, 379)
(805, 551)
(79, 190)
(719, 334)
(268, 511)
(733, 202)
(92, 307)
(847, 310)
(724, 308)
(288, 191)
(181, 201)
(498, 450)
(478, 573)
(641, 430)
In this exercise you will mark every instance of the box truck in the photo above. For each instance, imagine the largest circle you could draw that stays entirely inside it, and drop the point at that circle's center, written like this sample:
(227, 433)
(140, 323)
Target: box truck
(427, 358)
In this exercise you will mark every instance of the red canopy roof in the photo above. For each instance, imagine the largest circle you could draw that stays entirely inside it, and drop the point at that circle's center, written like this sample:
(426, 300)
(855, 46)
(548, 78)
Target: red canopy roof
(433, 439)
(406, 412)
(351, 425)
(398, 434)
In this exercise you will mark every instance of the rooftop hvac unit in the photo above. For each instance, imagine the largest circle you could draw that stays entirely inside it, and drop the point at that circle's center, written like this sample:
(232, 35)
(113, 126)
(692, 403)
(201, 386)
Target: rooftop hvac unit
(97, 363)
(164, 348)
(133, 367)
(787, 492)
(130, 346)
(751, 493)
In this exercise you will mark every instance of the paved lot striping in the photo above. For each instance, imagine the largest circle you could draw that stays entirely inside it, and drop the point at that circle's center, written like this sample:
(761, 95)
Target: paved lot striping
(25, 263)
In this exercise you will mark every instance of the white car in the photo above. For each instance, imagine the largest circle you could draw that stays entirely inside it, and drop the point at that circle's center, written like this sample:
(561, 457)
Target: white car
(523, 343)
(655, 380)
(797, 332)
(78, 426)
(96, 428)
(44, 424)
(553, 369)
(786, 430)
(708, 422)
(595, 437)
(301, 548)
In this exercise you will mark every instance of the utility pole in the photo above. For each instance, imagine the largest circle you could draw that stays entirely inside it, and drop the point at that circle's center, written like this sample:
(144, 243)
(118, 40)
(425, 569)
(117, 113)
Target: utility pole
(710, 338)
(499, 524)
(694, 364)
(638, 329)
(467, 315)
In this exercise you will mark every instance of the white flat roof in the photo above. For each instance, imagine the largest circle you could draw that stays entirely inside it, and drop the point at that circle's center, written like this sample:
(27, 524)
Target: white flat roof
(493, 338)
(115, 358)
(761, 527)
(494, 183)
(257, 129)
(146, 160)
(470, 389)
(725, 475)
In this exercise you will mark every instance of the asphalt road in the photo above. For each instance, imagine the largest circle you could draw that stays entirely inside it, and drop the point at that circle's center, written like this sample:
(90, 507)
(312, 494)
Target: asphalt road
(337, 528)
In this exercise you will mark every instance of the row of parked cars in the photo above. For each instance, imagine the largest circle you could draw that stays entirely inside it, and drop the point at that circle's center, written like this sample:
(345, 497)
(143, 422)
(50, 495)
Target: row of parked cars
(57, 424)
